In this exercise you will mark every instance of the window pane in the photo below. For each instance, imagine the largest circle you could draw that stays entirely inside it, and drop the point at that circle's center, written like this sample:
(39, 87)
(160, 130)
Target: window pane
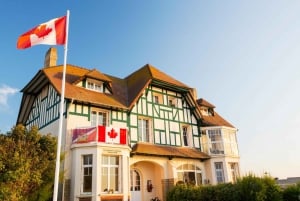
(199, 178)
(110, 173)
(185, 137)
(94, 118)
(219, 172)
(143, 129)
(87, 184)
(104, 160)
(87, 173)
(104, 182)
(114, 177)
(134, 180)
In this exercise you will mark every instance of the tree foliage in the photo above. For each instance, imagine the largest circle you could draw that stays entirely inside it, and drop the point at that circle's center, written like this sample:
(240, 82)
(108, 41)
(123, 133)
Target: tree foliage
(27, 164)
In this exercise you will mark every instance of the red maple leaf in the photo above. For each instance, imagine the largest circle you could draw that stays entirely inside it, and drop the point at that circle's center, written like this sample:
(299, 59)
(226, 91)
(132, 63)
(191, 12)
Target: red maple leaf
(112, 133)
(42, 30)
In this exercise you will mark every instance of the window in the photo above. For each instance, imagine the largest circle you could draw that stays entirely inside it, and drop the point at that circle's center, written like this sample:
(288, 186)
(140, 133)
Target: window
(111, 174)
(219, 172)
(185, 136)
(98, 118)
(234, 171)
(95, 86)
(172, 101)
(215, 137)
(230, 142)
(144, 130)
(157, 98)
(189, 174)
(87, 167)
(135, 181)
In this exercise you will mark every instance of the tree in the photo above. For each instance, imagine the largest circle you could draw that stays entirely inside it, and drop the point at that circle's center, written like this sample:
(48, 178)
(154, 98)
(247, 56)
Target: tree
(27, 165)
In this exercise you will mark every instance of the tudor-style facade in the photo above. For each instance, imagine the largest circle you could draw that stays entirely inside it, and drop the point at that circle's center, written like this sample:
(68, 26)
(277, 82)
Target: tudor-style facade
(132, 138)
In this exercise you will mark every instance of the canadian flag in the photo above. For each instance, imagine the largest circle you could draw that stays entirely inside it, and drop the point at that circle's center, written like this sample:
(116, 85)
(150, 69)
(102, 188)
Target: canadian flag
(52, 32)
(112, 135)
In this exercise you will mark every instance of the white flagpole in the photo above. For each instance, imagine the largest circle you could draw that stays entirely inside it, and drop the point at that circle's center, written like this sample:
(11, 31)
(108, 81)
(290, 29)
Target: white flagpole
(61, 113)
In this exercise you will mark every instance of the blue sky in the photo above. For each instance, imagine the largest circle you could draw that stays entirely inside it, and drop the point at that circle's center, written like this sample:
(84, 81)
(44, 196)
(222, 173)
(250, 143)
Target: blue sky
(241, 56)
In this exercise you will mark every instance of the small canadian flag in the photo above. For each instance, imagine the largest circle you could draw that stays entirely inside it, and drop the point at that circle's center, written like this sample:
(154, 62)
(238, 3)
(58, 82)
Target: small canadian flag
(112, 135)
(52, 32)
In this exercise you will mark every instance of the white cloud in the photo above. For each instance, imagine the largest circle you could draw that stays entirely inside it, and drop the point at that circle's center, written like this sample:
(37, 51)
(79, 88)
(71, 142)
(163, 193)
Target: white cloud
(6, 91)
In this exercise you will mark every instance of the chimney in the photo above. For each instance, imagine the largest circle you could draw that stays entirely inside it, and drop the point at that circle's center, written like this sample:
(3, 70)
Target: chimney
(50, 57)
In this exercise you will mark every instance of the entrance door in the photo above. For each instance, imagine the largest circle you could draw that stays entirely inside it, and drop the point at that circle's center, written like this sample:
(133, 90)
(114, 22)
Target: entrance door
(135, 185)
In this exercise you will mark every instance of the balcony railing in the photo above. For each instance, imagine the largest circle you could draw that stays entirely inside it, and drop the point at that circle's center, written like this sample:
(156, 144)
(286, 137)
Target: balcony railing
(220, 149)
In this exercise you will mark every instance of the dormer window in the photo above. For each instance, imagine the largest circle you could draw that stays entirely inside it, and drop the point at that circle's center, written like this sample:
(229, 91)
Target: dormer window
(95, 85)
(207, 111)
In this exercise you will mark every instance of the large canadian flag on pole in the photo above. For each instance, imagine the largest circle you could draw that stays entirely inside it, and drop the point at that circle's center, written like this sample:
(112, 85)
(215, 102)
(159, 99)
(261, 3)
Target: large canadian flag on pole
(52, 32)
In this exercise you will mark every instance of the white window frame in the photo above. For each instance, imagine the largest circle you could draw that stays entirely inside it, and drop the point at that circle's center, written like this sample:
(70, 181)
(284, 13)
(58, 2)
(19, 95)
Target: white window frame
(219, 170)
(186, 170)
(135, 180)
(108, 167)
(186, 135)
(234, 168)
(96, 118)
(230, 142)
(89, 168)
(94, 85)
(144, 131)
(216, 141)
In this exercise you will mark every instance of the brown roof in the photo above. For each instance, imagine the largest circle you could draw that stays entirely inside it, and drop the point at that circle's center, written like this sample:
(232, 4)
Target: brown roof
(124, 92)
(139, 80)
(202, 102)
(167, 151)
(214, 119)
(73, 73)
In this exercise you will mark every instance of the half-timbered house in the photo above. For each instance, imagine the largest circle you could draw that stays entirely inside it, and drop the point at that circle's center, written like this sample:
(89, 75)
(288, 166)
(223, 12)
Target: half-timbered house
(130, 138)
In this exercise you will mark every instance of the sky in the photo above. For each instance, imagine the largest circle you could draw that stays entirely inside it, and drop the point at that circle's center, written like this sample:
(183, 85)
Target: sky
(241, 56)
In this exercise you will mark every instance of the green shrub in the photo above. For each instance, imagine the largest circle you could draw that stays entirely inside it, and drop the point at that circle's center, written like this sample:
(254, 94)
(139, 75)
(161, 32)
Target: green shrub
(272, 191)
(227, 192)
(251, 188)
(207, 193)
(184, 193)
(291, 193)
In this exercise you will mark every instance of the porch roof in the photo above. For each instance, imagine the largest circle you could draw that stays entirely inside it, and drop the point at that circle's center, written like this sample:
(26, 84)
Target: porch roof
(168, 151)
